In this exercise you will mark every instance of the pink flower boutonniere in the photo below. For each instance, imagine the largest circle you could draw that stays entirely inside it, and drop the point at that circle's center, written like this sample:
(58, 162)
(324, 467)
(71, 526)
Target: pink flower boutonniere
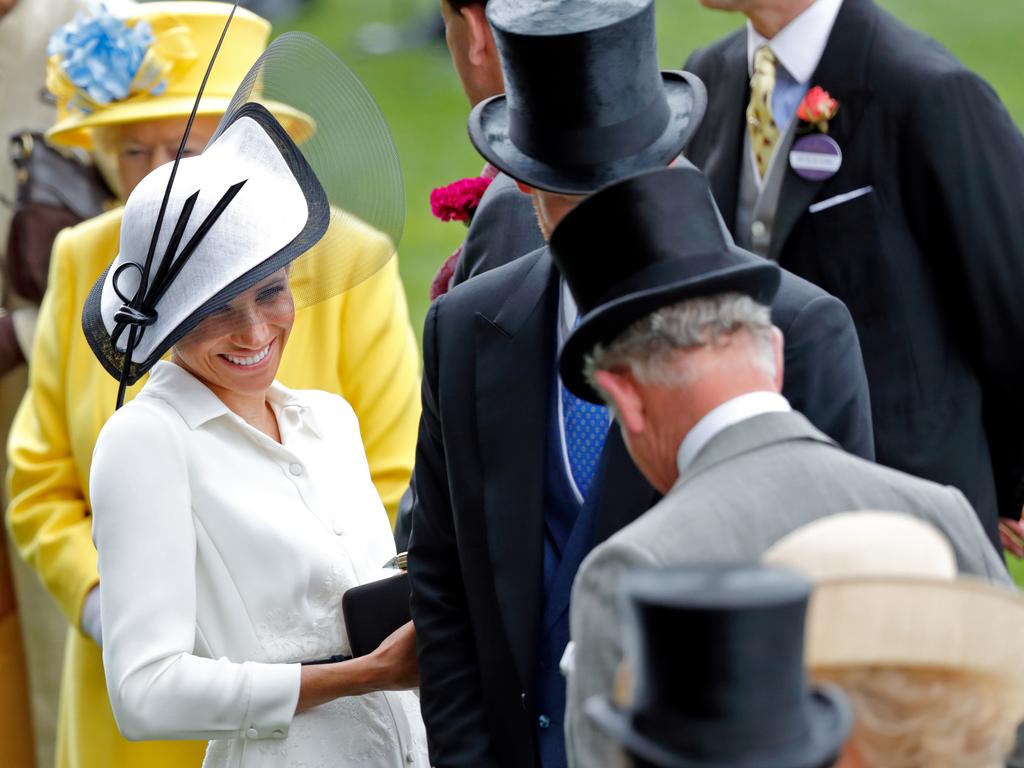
(459, 200)
(817, 108)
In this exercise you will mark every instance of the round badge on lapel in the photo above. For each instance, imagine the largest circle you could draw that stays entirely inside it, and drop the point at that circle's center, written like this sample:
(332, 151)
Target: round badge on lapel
(815, 157)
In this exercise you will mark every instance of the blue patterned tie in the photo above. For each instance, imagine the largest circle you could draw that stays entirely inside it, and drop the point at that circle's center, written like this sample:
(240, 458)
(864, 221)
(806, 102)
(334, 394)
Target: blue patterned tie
(586, 426)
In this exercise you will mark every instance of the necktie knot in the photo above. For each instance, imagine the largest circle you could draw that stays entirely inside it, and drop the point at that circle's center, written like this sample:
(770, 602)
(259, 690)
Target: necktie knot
(765, 62)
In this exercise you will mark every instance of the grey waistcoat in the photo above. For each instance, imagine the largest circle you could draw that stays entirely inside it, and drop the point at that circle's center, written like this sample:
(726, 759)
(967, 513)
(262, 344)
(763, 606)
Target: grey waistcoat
(755, 211)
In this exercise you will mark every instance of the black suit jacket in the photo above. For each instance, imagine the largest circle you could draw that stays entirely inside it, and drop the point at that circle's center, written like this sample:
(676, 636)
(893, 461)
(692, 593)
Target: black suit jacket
(930, 262)
(503, 228)
(477, 536)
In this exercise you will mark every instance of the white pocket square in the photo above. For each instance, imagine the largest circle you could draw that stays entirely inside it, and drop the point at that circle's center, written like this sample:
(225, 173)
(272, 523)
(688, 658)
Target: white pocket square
(846, 197)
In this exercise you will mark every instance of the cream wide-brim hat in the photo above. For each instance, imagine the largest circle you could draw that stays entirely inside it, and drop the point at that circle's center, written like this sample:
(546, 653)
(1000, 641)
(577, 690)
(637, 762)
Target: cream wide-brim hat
(204, 21)
(887, 594)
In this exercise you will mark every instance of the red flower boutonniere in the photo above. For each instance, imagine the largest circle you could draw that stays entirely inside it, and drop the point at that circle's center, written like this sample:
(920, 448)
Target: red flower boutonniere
(459, 200)
(817, 109)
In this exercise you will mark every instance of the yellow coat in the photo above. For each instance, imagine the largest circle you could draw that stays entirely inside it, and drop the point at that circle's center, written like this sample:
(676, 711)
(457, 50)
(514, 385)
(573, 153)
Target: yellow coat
(359, 344)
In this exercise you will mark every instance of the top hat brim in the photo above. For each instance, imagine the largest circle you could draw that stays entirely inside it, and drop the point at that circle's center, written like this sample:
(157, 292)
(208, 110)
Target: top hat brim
(755, 277)
(828, 726)
(489, 132)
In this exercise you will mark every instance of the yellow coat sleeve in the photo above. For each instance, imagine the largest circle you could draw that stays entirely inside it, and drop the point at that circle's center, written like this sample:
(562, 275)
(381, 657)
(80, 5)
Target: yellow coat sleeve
(379, 362)
(48, 515)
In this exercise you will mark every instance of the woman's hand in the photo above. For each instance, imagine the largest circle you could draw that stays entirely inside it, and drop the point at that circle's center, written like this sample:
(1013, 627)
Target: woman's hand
(391, 667)
(399, 669)
(1011, 534)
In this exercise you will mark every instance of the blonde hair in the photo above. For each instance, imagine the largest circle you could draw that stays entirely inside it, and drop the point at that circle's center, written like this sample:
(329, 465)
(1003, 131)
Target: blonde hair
(925, 718)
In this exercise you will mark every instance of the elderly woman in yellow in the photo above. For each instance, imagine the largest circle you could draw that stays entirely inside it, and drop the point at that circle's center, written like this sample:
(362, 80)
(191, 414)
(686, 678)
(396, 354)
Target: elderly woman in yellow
(358, 344)
(929, 659)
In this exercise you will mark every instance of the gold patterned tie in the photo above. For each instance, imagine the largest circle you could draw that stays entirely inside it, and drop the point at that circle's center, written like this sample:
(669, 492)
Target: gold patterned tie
(764, 133)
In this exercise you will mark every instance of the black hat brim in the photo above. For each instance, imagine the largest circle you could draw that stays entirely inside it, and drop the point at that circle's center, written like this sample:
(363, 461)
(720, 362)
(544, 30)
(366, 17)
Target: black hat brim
(489, 132)
(828, 726)
(756, 278)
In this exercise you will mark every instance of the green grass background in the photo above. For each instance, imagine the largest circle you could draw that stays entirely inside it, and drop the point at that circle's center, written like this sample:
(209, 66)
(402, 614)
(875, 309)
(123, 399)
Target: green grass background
(424, 105)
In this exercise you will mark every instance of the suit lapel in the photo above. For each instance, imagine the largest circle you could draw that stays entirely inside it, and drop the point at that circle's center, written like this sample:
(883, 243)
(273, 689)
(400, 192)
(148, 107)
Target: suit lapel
(843, 73)
(514, 375)
(726, 123)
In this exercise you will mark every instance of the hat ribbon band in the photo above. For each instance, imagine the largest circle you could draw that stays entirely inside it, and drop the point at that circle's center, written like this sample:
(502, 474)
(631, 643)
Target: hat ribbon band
(589, 145)
(669, 271)
(779, 729)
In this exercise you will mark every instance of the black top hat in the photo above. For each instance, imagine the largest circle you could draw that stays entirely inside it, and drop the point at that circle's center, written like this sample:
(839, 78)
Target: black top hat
(718, 673)
(642, 244)
(585, 103)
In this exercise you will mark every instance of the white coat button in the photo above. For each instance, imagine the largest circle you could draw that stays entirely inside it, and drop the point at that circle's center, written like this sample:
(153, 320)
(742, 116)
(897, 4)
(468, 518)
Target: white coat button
(279, 733)
(252, 733)
(409, 758)
(758, 229)
(338, 530)
(295, 469)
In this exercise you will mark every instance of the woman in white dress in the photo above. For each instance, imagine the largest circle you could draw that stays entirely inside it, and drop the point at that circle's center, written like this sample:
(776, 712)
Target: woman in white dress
(231, 513)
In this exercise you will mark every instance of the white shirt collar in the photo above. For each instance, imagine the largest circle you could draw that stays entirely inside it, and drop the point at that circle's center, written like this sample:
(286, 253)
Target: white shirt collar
(725, 415)
(197, 403)
(800, 44)
(568, 312)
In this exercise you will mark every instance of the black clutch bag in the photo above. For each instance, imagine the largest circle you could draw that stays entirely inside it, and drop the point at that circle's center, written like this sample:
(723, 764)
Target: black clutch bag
(375, 610)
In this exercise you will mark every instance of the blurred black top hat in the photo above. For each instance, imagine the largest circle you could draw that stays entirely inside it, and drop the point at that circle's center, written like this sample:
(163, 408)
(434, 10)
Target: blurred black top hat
(585, 103)
(641, 244)
(718, 673)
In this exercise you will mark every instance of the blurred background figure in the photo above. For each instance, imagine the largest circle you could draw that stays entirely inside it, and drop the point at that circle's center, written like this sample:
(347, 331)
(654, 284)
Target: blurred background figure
(713, 674)
(930, 660)
(907, 217)
(31, 627)
(363, 343)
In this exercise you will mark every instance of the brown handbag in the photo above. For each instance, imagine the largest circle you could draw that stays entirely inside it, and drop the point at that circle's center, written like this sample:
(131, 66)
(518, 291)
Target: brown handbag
(55, 189)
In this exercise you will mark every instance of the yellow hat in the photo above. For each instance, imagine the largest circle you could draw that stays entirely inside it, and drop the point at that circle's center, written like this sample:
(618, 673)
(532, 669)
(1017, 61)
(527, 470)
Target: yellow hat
(155, 74)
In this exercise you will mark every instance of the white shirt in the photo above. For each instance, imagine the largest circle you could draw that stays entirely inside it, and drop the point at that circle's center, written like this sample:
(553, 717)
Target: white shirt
(223, 558)
(725, 415)
(798, 47)
(568, 314)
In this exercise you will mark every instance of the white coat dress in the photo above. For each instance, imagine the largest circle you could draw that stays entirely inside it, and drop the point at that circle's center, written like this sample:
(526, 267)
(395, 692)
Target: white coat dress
(223, 558)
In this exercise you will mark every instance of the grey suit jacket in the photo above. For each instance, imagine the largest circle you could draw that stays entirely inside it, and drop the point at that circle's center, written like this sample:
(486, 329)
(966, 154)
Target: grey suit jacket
(751, 484)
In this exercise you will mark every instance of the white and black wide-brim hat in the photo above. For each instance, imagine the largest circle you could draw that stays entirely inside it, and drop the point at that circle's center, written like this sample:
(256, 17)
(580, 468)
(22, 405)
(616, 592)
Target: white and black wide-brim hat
(244, 209)
(585, 103)
(197, 234)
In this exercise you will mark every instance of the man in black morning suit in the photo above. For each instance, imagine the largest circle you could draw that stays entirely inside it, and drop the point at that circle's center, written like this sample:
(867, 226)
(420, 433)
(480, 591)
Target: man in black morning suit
(507, 502)
(920, 232)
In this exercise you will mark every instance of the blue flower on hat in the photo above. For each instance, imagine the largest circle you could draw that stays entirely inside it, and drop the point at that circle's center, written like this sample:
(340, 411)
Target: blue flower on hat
(101, 56)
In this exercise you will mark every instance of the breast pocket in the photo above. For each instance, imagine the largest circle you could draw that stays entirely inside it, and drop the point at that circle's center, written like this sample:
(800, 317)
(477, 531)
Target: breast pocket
(848, 259)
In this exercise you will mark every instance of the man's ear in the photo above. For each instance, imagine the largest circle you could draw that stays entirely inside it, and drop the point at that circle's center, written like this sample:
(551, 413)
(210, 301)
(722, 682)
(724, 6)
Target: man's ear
(481, 39)
(778, 348)
(526, 189)
(622, 389)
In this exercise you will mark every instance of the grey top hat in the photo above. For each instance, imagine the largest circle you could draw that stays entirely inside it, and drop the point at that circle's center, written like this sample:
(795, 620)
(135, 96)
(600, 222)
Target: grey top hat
(585, 103)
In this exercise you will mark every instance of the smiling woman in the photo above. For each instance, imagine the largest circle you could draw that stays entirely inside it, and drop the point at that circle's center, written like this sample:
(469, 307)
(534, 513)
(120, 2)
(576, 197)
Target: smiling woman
(230, 470)
(237, 350)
